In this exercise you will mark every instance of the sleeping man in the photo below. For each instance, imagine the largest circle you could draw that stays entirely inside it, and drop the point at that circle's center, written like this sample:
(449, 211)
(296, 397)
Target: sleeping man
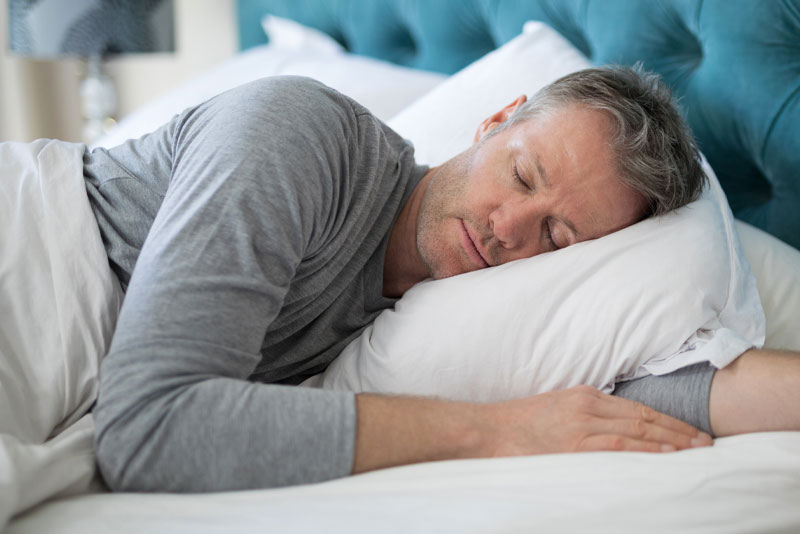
(270, 225)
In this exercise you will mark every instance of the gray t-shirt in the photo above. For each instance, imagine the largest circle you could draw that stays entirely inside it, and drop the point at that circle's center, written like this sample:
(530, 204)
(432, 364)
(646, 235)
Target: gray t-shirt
(257, 223)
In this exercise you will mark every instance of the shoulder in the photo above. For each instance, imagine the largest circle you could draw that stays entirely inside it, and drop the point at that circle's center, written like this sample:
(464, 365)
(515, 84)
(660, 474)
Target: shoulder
(288, 87)
(302, 99)
(285, 111)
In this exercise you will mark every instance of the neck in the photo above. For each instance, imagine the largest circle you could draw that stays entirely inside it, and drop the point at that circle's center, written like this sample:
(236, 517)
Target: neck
(403, 267)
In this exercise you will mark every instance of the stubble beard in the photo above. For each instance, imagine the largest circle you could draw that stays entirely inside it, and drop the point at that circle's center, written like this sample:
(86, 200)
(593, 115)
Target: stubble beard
(442, 203)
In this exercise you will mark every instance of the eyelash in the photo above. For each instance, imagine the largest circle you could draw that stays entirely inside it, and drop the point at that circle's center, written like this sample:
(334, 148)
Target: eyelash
(518, 179)
(547, 226)
(550, 237)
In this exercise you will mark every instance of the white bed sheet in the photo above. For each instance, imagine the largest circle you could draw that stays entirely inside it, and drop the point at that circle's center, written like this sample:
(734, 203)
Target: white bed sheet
(747, 483)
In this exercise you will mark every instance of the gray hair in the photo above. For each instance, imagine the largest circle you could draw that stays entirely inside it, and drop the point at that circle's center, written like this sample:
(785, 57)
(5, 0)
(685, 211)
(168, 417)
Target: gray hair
(656, 152)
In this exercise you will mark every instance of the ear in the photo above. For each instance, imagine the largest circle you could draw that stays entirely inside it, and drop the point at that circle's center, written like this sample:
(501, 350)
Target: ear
(492, 122)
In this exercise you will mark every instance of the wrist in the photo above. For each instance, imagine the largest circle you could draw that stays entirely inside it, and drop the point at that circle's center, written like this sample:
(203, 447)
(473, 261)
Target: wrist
(478, 433)
(402, 430)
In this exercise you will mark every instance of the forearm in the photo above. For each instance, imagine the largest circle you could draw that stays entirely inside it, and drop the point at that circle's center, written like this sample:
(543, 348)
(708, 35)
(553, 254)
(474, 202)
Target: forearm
(402, 430)
(395, 431)
(758, 392)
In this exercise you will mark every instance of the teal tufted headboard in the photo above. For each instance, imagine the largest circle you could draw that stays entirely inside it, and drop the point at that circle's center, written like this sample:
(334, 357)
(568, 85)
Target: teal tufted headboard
(734, 64)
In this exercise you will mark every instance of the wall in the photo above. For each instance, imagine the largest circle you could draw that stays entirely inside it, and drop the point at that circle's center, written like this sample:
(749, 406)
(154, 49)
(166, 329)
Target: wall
(41, 98)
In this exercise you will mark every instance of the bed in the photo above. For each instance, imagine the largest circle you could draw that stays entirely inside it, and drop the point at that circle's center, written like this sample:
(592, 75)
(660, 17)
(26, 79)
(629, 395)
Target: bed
(736, 67)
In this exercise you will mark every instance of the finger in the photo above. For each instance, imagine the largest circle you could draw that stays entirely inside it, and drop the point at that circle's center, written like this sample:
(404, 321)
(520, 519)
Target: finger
(639, 429)
(620, 408)
(612, 442)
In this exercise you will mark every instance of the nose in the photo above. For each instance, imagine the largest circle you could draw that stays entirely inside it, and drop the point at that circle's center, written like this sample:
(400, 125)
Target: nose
(516, 229)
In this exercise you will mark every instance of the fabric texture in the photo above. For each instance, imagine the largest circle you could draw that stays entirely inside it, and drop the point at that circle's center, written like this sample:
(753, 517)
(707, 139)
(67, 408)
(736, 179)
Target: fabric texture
(746, 484)
(58, 303)
(658, 296)
(263, 261)
(684, 394)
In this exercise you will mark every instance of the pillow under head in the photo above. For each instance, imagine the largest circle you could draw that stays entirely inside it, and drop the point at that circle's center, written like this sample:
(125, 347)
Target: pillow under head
(652, 298)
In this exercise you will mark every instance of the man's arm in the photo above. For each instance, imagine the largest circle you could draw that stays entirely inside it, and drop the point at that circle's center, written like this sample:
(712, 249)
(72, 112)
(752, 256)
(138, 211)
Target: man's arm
(245, 204)
(401, 430)
(758, 392)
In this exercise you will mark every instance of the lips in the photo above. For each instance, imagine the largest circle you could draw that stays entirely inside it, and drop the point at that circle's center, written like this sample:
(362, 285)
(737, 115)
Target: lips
(471, 247)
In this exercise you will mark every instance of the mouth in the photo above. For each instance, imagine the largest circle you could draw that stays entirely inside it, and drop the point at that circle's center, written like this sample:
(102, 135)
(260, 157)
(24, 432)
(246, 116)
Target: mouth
(471, 248)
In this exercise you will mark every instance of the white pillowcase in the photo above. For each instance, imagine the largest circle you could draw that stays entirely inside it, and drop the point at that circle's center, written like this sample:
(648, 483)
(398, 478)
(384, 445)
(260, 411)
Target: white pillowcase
(652, 298)
(776, 267)
(381, 87)
(290, 35)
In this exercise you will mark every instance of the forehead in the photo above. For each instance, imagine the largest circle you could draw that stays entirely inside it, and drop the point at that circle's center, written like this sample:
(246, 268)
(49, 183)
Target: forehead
(568, 152)
(575, 139)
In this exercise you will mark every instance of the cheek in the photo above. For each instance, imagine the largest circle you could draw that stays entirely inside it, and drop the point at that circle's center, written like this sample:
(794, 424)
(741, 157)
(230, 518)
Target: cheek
(476, 197)
(441, 250)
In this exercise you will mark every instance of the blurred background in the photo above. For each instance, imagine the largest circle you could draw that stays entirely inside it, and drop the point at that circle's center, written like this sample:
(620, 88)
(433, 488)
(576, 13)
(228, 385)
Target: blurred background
(41, 97)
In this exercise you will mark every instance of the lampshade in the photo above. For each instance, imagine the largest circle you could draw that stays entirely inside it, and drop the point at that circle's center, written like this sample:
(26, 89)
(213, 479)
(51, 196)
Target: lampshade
(47, 29)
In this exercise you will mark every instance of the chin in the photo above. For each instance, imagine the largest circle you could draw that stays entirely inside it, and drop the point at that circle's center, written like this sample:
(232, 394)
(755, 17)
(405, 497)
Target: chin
(450, 269)
(438, 269)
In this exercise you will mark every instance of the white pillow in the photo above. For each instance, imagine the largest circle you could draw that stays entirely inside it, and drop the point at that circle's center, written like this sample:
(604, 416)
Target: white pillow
(287, 34)
(776, 267)
(381, 87)
(654, 297)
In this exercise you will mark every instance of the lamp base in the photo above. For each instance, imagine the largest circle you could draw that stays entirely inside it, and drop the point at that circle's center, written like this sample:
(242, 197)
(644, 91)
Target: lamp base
(98, 100)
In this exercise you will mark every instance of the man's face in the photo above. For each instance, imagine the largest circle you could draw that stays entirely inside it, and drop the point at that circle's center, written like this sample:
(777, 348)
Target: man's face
(477, 213)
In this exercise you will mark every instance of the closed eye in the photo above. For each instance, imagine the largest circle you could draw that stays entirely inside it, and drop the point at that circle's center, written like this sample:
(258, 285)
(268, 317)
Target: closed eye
(518, 178)
(549, 236)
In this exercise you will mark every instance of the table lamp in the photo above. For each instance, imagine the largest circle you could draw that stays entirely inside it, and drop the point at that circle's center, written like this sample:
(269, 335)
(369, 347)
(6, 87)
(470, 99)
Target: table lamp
(92, 30)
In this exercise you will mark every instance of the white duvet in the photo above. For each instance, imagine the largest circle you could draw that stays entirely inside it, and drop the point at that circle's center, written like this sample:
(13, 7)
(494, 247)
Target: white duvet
(58, 303)
(744, 484)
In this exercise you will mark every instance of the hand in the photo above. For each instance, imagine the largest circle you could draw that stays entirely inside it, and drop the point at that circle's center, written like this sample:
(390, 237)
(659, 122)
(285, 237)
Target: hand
(584, 419)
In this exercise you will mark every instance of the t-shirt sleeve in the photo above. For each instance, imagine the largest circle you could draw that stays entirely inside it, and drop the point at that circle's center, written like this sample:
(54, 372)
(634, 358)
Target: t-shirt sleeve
(253, 179)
